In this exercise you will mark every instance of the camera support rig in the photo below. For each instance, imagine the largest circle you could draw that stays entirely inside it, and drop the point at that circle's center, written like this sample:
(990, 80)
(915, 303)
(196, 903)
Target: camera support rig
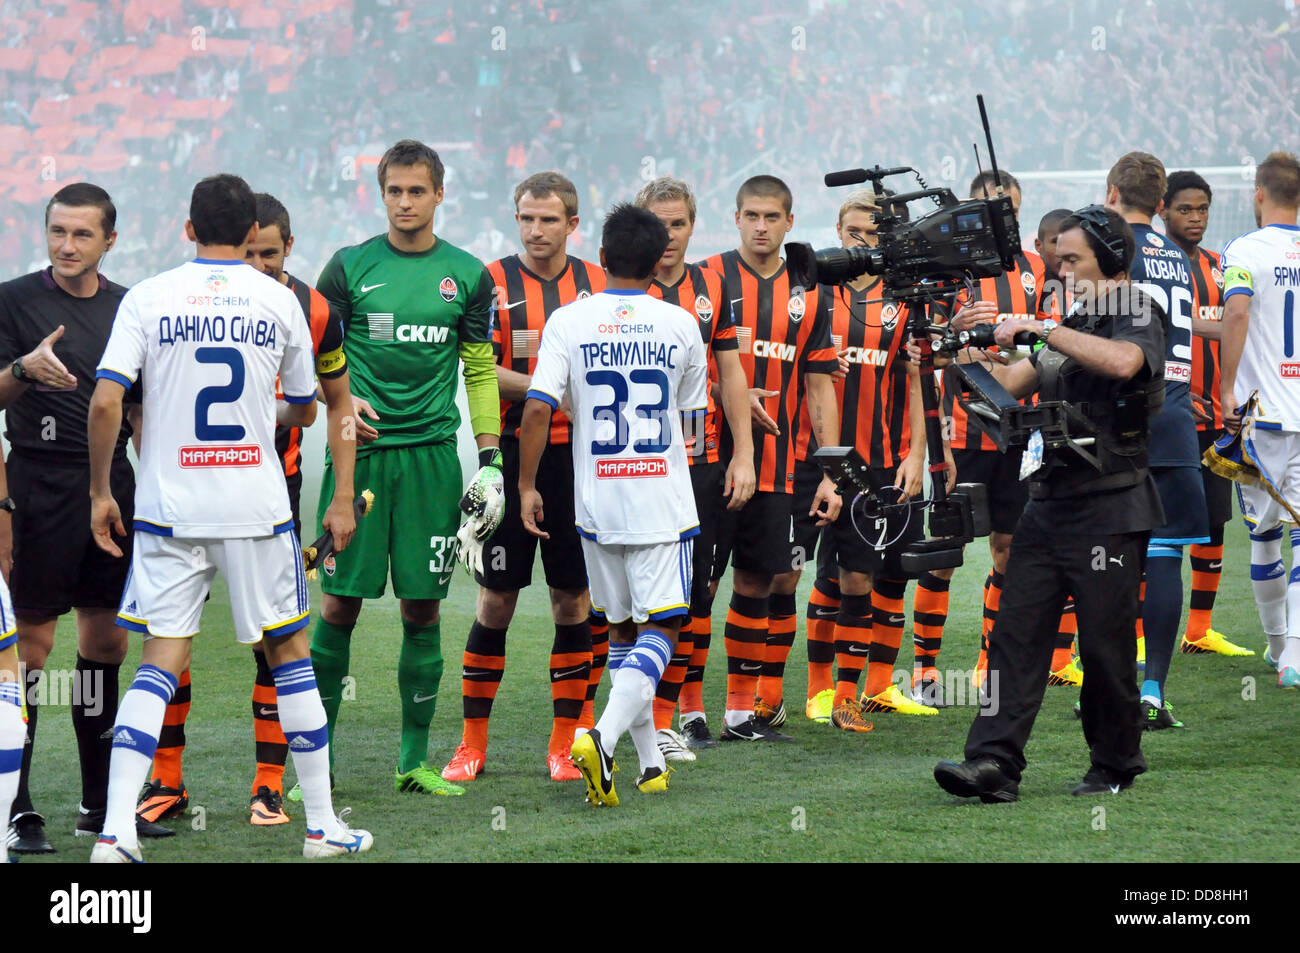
(922, 262)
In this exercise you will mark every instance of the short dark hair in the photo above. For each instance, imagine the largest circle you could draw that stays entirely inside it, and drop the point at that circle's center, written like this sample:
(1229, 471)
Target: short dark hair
(765, 187)
(1052, 219)
(1186, 179)
(271, 211)
(1279, 176)
(410, 152)
(633, 240)
(1004, 178)
(1108, 235)
(1140, 178)
(222, 210)
(84, 195)
(542, 185)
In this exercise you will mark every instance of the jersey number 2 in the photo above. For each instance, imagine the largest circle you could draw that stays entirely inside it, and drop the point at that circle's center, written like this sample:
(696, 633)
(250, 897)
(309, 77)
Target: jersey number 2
(219, 394)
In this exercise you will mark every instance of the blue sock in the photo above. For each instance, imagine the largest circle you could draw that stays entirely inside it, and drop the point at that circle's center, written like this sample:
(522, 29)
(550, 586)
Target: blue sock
(1161, 611)
(1151, 692)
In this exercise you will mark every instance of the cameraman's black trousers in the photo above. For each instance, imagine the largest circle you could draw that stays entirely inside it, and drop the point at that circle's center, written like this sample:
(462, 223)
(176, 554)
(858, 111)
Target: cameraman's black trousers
(1103, 573)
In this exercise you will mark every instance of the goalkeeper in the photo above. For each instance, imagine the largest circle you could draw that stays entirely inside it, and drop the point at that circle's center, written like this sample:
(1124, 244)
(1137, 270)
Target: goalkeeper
(413, 306)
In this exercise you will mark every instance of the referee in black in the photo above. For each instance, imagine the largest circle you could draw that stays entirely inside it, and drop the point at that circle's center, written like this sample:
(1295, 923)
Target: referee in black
(1084, 531)
(54, 325)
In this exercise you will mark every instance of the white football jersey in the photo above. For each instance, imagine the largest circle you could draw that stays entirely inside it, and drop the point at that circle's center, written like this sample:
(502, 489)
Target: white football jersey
(209, 338)
(1265, 264)
(630, 365)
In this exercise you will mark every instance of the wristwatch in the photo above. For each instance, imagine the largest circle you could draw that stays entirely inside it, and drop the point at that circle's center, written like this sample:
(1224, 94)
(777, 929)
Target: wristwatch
(19, 372)
(1049, 326)
(8, 504)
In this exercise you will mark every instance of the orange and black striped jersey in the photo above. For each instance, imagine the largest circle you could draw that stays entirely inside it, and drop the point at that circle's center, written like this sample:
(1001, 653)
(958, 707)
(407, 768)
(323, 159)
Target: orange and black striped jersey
(781, 336)
(1207, 304)
(521, 304)
(327, 345)
(873, 397)
(700, 292)
(1018, 293)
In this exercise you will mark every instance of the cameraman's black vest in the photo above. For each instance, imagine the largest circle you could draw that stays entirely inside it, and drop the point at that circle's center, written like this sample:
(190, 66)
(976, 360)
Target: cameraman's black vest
(1119, 427)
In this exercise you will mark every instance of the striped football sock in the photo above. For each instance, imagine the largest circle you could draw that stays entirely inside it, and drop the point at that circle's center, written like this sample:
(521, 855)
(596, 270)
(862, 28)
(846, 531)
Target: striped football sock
(135, 738)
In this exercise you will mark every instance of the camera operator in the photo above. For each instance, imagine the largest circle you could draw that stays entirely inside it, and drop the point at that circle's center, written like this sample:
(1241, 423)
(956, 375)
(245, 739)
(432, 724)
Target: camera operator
(1084, 531)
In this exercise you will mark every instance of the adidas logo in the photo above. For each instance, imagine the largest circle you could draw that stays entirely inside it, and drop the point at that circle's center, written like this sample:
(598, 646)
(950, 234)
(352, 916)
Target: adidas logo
(125, 738)
(130, 607)
(299, 743)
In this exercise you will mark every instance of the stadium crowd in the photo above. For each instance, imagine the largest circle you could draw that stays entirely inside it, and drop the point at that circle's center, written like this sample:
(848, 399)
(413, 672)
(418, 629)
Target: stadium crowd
(160, 94)
(150, 97)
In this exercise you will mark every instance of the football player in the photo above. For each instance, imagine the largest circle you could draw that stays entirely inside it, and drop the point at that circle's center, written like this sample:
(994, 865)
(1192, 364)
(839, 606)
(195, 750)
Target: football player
(1186, 216)
(166, 795)
(615, 352)
(211, 334)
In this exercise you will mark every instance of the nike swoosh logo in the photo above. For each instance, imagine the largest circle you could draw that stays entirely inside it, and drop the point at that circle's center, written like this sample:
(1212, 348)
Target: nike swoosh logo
(896, 619)
(566, 672)
(1218, 565)
(475, 672)
(737, 300)
(512, 304)
(853, 650)
(750, 668)
(822, 613)
(368, 288)
(264, 712)
(420, 699)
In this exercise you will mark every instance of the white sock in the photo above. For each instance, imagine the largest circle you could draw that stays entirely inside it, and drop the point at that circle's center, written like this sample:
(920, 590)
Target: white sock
(302, 718)
(643, 736)
(135, 738)
(13, 734)
(633, 687)
(734, 718)
(1268, 579)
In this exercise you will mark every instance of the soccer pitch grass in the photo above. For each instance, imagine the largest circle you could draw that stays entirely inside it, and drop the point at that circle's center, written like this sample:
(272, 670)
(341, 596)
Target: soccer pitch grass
(1215, 791)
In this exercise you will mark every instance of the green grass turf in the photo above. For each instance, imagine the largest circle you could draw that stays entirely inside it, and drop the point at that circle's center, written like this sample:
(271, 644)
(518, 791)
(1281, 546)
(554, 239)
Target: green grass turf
(1214, 790)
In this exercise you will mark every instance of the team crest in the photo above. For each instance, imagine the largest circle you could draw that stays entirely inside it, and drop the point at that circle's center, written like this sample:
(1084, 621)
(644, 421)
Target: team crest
(889, 316)
(1028, 282)
(447, 288)
(217, 281)
(1155, 240)
(795, 307)
(329, 565)
(584, 293)
(703, 309)
(1217, 276)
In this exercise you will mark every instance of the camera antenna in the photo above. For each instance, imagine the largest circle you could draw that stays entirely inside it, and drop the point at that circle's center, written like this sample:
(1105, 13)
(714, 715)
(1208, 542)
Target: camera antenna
(988, 137)
(980, 168)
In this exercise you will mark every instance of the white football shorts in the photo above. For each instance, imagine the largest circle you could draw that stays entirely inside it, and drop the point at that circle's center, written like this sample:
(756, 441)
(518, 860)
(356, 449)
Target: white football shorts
(641, 583)
(170, 579)
(1278, 454)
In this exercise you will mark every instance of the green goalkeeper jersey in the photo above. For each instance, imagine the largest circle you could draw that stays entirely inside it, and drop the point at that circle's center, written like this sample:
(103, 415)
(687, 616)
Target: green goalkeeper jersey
(409, 318)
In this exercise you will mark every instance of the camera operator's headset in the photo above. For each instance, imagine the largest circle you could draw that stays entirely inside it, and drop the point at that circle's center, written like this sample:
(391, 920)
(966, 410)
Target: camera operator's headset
(1095, 222)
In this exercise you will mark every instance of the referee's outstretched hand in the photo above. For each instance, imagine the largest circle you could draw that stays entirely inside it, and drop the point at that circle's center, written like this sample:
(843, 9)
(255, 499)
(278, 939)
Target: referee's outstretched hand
(105, 521)
(44, 368)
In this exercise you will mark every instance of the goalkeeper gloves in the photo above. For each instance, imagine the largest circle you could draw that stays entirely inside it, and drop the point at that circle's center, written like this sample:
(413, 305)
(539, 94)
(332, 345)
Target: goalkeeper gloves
(484, 503)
